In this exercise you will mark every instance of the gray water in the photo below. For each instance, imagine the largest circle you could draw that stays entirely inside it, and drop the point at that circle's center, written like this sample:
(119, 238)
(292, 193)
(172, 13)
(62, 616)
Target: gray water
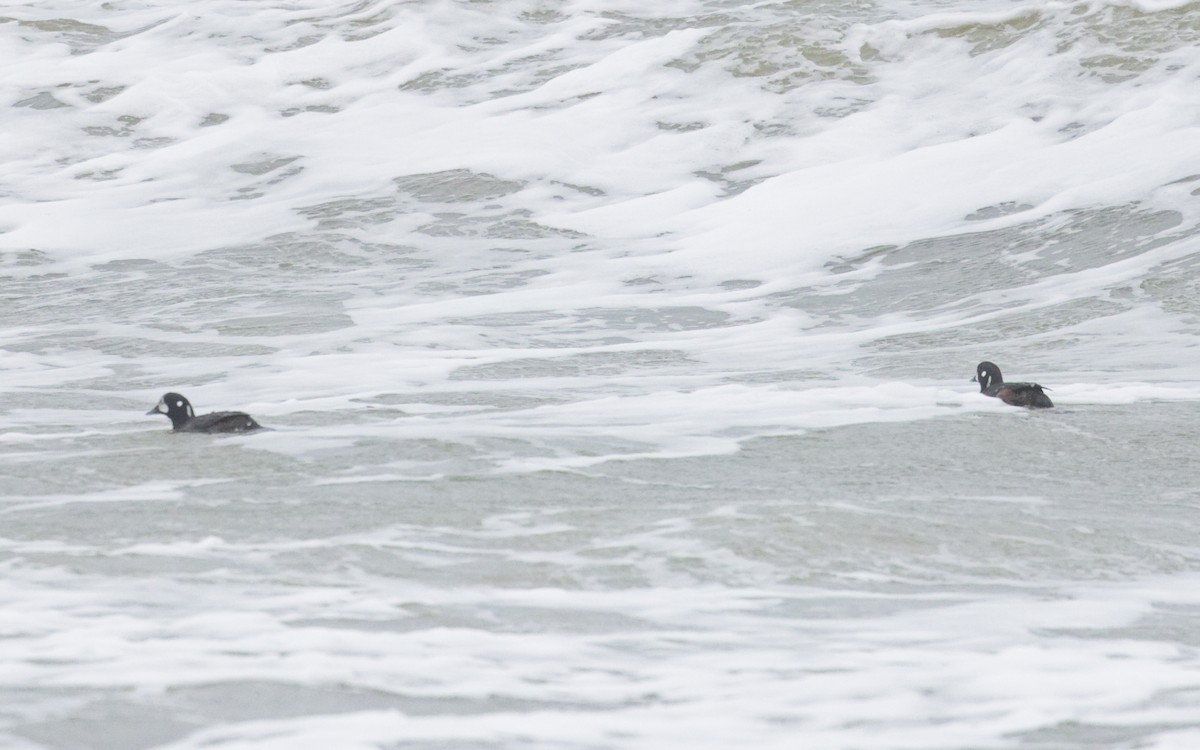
(764, 566)
(617, 363)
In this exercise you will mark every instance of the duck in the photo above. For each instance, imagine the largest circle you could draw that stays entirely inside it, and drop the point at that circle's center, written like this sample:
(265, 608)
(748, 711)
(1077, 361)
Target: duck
(991, 383)
(183, 418)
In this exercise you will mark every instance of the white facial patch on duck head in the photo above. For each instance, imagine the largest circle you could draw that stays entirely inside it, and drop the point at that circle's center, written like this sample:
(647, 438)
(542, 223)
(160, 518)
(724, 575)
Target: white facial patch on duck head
(161, 408)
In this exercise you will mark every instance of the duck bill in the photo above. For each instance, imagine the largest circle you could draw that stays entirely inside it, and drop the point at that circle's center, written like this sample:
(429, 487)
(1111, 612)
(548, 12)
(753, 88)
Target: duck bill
(159, 408)
(975, 379)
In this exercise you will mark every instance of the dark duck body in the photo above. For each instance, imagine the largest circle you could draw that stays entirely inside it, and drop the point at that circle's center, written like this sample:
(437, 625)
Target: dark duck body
(184, 419)
(991, 383)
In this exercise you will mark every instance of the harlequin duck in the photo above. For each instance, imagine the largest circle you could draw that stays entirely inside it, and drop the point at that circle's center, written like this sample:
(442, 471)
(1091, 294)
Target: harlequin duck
(183, 419)
(991, 383)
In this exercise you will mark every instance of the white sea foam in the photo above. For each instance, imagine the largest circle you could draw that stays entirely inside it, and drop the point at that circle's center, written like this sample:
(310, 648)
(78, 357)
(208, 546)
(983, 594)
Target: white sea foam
(617, 361)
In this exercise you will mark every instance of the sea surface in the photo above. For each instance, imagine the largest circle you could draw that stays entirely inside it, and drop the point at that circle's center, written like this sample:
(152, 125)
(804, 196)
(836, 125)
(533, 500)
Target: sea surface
(617, 360)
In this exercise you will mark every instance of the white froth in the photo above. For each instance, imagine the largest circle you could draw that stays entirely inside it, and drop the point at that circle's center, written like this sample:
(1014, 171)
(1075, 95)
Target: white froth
(617, 360)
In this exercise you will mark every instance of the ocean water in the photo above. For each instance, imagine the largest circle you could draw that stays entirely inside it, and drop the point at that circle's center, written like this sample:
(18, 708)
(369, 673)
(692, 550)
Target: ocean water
(617, 360)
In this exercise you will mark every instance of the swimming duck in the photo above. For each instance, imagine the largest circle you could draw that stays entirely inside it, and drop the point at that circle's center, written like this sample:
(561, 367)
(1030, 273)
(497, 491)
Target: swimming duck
(184, 419)
(991, 383)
